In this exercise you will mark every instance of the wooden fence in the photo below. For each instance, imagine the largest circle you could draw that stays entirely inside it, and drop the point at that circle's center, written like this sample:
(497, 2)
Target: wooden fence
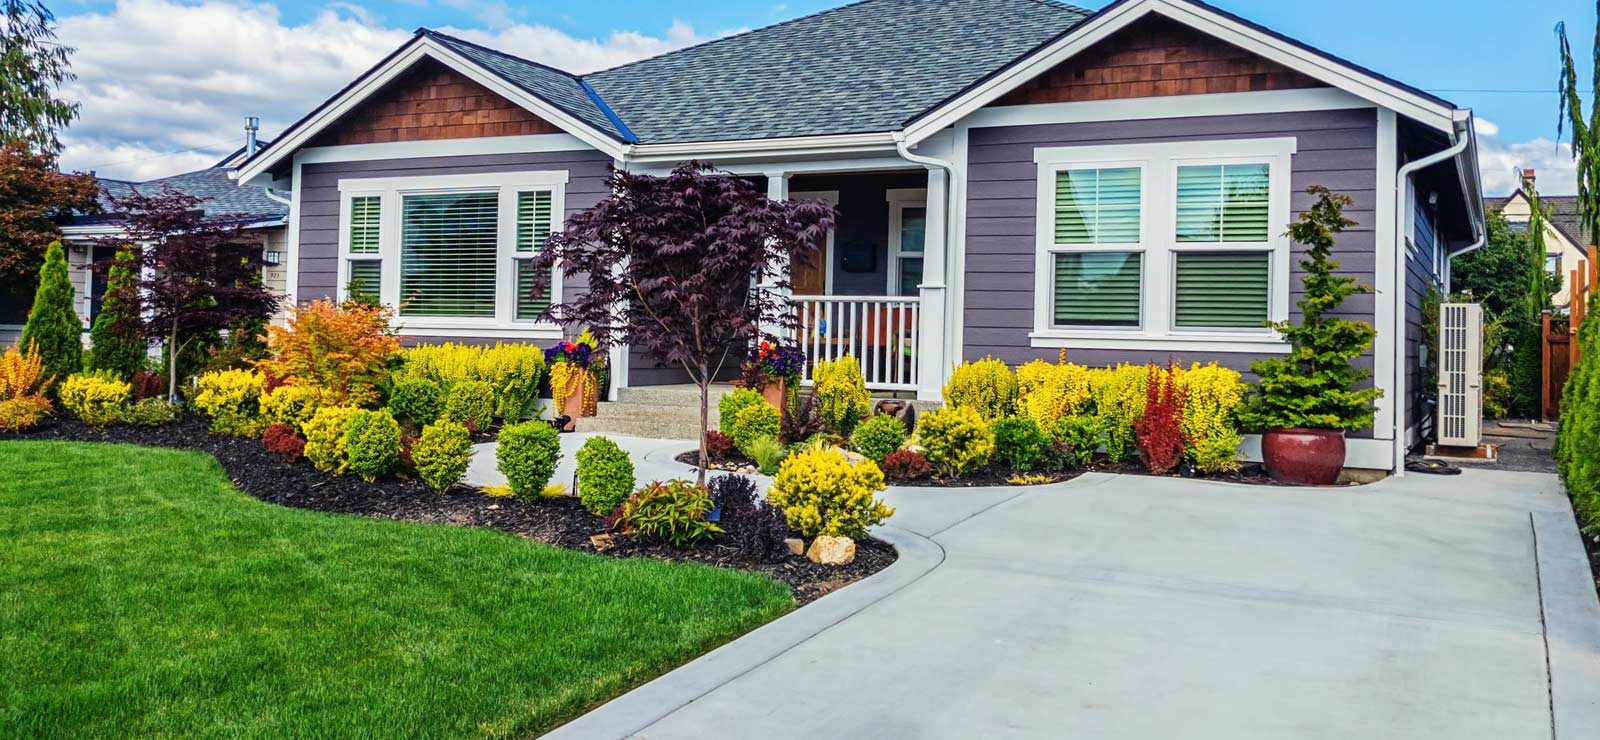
(1561, 352)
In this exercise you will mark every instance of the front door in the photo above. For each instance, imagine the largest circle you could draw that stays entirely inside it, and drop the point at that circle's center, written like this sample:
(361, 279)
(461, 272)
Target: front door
(809, 275)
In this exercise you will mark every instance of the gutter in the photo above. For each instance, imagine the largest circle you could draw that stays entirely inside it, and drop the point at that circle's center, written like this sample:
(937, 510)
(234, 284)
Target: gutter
(1402, 181)
(950, 189)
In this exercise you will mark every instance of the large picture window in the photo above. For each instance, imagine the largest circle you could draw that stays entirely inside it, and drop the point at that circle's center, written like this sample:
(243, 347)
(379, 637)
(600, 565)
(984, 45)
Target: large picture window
(453, 254)
(1162, 245)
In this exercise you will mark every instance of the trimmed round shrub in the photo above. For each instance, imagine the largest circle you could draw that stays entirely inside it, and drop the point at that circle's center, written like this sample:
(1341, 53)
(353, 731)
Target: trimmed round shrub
(281, 439)
(291, 405)
(841, 393)
(442, 455)
(753, 422)
(1019, 441)
(878, 436)
(372, 444)
(821, 493)
(987, 386)
(673, 512)
(729, 406)
(956, 439)
(325, 438)
(527, 454)
(471, 402)
(418, 400)
(96, 400)
(151, 412)
(605, 476)
(232, 399)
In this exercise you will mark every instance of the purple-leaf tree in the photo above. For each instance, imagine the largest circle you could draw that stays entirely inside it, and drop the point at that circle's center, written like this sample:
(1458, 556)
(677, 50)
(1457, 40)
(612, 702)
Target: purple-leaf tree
(197, 274)
(689, 268)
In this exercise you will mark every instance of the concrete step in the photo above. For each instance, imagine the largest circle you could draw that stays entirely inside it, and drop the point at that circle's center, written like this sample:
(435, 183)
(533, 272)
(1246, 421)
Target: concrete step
(671, 395)
(642, 427)
(626, 410)
(658, 412)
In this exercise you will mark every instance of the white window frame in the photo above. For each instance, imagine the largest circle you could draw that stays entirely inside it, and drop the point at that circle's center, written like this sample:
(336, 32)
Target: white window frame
(1159, 246)
(899, 200)
(507, 185)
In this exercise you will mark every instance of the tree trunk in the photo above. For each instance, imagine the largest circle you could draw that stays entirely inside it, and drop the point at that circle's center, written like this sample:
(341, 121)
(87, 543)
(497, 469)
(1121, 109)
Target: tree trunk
(705, 419)
(172, 364)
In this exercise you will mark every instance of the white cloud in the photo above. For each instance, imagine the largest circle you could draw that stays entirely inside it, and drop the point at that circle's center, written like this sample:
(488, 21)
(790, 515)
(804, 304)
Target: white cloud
(1501, 163)
(160, 76)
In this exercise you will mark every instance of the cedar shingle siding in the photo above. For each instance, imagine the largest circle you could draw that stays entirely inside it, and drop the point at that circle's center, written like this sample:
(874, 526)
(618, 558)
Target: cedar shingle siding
(431, 102)
(1156, 57)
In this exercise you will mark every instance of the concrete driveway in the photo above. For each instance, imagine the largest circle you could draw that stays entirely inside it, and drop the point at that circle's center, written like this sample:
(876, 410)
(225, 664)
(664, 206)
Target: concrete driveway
(1133, 607)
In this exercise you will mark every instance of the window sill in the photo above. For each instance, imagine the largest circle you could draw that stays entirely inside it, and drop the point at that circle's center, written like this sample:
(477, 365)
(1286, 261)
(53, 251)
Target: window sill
(469, 330)
(1256, 344)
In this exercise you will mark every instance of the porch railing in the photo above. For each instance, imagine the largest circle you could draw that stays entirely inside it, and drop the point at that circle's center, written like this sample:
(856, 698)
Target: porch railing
(879, 331)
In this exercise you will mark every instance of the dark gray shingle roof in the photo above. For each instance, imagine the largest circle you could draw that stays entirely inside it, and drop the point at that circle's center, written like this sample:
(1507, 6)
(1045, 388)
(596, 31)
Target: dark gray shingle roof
(220, 197)
(1563, 210)
(871, 66)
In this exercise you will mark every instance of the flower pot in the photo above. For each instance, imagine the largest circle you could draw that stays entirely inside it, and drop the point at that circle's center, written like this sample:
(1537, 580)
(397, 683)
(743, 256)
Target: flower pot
(591, 393)
(775, 391)
(571, 402)
(1312, 457)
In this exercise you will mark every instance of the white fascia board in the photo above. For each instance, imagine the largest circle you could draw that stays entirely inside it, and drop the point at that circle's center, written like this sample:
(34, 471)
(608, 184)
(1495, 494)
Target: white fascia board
(420, 48)
(1181, 106)
(765, 148)
(443, 148)
(1364, 85)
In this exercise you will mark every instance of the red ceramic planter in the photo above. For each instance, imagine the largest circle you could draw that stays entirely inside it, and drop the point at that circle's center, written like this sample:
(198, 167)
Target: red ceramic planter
(1311, 457)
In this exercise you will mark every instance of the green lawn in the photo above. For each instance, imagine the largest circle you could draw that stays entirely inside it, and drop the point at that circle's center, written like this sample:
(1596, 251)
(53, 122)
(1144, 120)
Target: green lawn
(142, 595)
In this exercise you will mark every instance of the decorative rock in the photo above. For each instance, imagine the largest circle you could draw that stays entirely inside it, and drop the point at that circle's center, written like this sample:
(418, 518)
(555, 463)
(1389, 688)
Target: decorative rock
(749, 470)
(796, 546)
(832, 550)
(853, 457)
(602, 542)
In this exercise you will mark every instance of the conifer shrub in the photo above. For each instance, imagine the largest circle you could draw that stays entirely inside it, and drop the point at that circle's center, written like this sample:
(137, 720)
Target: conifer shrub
(956, 440)
(372, 444)
(878, 436)
(605, 475)
(442, 455)
(841, 393)
(471, 402)
(987, 386)
(53, 328)
(527, 454)
(291, 405)
(325, 438)
(416, 399)
(150, 412)
(729, 406)
(822, 493)
(232, 399)
(753, 422)
(117, 342)
(1577, 449)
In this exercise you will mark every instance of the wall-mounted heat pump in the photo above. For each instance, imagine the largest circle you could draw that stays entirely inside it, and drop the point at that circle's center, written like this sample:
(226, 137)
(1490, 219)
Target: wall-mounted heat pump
(1460, 374)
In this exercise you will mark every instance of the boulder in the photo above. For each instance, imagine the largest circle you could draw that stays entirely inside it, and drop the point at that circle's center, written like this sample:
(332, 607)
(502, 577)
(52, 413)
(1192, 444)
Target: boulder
(832, 550)
(796, 546)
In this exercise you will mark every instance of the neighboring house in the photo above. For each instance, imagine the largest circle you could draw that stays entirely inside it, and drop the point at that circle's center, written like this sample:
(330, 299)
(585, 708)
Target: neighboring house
(1013, 177)
(264, 216)
(1565, 241)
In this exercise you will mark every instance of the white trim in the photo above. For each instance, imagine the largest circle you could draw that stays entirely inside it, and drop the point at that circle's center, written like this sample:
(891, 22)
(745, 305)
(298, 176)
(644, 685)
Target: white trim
(956, 275)
(1384, 233)
(831, 196)
(418, 48)
(1158, 164)
(1176, 106)
(443, 148)
(900, 199)
(291, 278)
(758, 148)
(806, 167)
(507, 186)
(1118, 16)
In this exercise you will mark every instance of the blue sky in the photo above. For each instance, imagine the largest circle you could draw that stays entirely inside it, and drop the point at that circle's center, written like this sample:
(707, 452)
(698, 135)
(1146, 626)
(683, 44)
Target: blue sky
(134, 53)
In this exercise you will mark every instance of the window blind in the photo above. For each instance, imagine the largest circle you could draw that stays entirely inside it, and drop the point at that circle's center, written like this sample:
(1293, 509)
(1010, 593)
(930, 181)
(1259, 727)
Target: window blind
(1226, 290)
(366, 276)
(529, 309)
(365, 214)
(1098, 206)
(1097, 289)
(533, 220)
(1224, 203)
(448, 254)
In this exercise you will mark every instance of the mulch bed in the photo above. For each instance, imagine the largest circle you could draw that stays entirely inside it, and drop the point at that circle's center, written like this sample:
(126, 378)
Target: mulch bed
(562, 522)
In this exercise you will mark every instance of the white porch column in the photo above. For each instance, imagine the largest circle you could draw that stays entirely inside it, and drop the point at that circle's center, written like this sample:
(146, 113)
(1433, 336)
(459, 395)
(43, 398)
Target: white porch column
(777, 189)
(932, 364)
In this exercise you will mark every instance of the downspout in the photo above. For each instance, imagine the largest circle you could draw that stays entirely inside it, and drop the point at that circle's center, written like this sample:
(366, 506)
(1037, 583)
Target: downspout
(951, 187)
(1402, 182)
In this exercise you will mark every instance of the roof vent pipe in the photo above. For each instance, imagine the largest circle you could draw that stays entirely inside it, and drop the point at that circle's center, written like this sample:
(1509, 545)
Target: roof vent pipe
(252, 124)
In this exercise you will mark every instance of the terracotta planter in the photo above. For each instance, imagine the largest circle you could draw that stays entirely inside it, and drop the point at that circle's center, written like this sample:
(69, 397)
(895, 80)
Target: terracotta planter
(571, 403)
(775, 391)
(1312, 457)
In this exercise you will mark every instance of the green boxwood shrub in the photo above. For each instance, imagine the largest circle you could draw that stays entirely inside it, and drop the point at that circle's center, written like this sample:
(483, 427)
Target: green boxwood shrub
(471, 402)
(729, 406)
(1076, 438)
(442, 454)
(527, 454)
(878, 436)
(605, 476)
(957, 439)
(372, 444)
(417, 400)
(753, 422)
(1020, 442)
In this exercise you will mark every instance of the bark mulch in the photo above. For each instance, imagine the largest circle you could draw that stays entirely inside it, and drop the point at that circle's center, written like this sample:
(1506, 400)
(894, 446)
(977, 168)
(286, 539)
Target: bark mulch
(561, 522)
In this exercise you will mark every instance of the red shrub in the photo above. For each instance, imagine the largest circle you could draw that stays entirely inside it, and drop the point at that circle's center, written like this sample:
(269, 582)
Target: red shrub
(280, 439)
(719, 446)
(148, 385)
(1160, 432)
(906, 465)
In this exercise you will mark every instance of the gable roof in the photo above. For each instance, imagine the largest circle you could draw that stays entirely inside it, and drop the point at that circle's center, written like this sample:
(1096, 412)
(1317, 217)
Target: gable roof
(866, 67)
(220, 197)
(1563, 212)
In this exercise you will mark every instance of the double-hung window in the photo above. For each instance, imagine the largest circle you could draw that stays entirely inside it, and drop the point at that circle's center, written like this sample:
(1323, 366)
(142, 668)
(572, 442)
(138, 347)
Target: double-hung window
(452, 253)
(908, 233)
(1162, 246)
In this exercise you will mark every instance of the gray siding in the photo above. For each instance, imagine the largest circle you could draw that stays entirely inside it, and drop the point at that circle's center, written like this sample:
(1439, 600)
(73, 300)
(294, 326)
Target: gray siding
(1420, 275)
(319, 201)
(863, 224)
(1337, 149)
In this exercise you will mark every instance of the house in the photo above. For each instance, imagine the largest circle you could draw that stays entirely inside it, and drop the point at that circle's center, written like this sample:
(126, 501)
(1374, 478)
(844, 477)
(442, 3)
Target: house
(1014, 178)
(1565, 240)
(263, 214)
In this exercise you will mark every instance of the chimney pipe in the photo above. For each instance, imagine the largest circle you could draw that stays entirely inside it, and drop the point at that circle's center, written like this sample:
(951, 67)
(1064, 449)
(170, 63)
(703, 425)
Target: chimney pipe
(252, 124)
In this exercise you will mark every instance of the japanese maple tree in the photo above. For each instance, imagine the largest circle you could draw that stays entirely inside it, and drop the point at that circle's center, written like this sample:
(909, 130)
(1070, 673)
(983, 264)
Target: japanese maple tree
(689, 268)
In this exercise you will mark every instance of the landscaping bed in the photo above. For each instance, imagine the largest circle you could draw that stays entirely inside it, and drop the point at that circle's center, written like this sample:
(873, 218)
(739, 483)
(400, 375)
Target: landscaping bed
(559, 521)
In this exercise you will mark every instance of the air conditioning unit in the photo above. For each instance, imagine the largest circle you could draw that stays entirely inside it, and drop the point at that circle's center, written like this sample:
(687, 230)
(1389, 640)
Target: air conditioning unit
(1460, 375)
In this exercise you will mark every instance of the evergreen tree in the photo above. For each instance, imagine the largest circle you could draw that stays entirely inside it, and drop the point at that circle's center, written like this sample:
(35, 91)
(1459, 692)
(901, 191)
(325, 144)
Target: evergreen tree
(53, 327)
(33, 66)
(1577, 449)
(117, 340)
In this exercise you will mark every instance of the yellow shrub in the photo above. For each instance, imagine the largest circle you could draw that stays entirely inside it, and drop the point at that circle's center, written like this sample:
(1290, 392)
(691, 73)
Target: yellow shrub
(325, 433)
(232, 399)
(1119, 395)
(96, 400)
(956, 439)
(291, 405)
(842, 397)
(1213, 395)
(513, 371)
(22, 373)
(987, 386)
(822, 493)
(1050, 391)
